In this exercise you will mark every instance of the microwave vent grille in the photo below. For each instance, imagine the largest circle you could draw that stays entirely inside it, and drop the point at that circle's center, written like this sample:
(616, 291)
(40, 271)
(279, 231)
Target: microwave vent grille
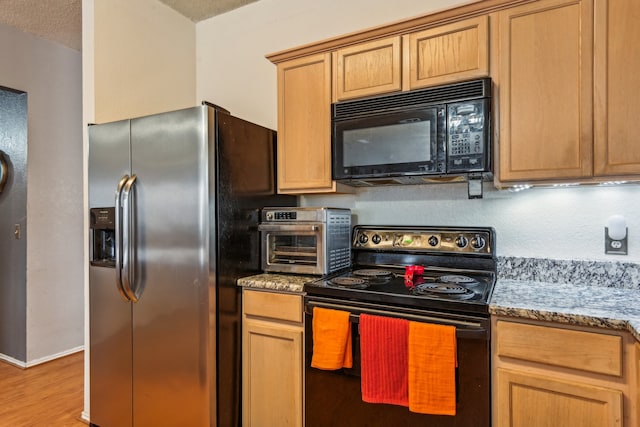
(472, 89)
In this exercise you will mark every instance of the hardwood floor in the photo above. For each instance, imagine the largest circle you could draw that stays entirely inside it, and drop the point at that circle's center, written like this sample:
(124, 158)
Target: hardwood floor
(47, 395)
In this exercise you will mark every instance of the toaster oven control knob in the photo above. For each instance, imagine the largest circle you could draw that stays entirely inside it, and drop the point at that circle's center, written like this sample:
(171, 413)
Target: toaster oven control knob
(478, 242)
(461, 241)
(376, 239)
(433, 241)
(363, 239)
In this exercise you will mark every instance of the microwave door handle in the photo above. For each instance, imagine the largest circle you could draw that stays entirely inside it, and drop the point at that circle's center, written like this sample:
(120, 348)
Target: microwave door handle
(288, 227)
(129, 240)
(119, 239)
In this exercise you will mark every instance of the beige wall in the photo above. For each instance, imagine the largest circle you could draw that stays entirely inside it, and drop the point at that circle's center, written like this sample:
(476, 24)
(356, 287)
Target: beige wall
(143, 57)
(50, 74)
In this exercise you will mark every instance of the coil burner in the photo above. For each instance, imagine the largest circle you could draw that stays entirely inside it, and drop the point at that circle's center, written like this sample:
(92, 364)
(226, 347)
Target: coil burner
(349, 282)
(458, 280)
(373, 274)
(448, 290)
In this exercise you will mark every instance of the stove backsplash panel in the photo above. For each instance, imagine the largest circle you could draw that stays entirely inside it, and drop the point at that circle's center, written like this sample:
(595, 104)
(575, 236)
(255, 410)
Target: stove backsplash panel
(623, 275)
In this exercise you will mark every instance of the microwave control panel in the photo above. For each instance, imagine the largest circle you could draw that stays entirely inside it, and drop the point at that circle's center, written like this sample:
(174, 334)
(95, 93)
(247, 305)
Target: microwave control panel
(467, 136)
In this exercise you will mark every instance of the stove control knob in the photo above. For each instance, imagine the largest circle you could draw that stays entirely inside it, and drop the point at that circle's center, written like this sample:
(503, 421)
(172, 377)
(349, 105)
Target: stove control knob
(461, 241)
(433, 241)
(363, 239)
(478, 242)
(376, 239)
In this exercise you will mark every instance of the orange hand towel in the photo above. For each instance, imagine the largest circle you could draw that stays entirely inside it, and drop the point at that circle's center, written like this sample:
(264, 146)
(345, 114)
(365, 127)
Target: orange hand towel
(384, 359)
(432, 369)
(331, 339)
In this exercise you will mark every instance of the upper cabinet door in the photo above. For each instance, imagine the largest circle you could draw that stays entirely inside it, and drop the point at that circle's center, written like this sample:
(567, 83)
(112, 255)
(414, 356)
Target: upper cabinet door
(304, 125)
(448, 53)
(369, 68)
(617, 85)
(545, 89)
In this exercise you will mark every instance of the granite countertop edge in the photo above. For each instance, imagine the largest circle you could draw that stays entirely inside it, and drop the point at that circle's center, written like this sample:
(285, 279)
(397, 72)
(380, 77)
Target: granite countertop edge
(291, 283)
(581, 305)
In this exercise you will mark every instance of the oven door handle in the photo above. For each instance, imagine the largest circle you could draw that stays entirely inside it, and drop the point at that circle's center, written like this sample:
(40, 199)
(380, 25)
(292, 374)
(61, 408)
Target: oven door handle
(288, 227)
(463, 327)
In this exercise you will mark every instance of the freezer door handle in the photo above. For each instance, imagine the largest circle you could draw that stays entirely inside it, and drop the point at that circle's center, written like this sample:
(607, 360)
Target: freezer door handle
(118, 221)
(129, 239)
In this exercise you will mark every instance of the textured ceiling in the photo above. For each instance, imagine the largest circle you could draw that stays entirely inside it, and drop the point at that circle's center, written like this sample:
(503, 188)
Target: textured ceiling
(61, 20)
(56, 20)
(198, 10)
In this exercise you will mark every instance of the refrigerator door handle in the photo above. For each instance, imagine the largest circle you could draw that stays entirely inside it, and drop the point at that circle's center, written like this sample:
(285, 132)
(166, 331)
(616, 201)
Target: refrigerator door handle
(129, 239)
(118, 221)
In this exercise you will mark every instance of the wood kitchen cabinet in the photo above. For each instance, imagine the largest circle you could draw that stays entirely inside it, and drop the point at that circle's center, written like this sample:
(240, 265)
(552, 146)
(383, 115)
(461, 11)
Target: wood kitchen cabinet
(370, 68)
(566, 69)
(437, 55)
(304, 125)
(616, 104)
(448, 53)
(545, 90)
(546, 374)
(637, 381)
(272, 359)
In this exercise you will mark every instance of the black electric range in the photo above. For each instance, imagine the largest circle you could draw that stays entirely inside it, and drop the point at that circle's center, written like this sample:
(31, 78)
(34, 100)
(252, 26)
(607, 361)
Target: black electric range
(436, 275)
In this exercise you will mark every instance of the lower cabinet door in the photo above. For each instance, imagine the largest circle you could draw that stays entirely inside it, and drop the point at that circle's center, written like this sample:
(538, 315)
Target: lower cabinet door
(530, 400)
(272, 374)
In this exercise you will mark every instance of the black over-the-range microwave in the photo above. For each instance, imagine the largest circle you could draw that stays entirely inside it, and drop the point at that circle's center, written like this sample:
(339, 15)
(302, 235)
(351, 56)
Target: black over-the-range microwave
(412, 137)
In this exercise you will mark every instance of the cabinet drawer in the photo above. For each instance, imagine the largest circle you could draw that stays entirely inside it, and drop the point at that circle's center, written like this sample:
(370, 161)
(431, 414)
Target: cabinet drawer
(587, 351)
(273, 305)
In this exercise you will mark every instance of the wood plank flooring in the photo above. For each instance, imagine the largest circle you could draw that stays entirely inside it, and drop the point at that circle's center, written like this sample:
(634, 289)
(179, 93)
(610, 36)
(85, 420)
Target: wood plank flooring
(47, 395)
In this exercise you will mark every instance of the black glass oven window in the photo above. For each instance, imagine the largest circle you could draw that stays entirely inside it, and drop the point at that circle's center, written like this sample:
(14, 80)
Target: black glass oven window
(293, 249)
(405, 142)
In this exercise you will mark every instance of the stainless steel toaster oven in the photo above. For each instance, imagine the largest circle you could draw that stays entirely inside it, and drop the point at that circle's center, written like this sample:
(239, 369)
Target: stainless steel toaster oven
(310, 240)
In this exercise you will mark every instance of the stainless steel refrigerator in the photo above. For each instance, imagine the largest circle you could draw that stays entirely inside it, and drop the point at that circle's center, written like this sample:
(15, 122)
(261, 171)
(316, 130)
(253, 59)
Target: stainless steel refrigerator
(174, 204)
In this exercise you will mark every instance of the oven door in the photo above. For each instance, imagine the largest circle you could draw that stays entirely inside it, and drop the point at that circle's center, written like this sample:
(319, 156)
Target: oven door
(293, 248)
(335, 397)
(390, 144)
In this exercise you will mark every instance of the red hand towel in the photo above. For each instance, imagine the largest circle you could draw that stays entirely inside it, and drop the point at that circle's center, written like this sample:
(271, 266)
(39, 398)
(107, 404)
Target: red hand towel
(384, 359)
(331, 339)
(432, 369)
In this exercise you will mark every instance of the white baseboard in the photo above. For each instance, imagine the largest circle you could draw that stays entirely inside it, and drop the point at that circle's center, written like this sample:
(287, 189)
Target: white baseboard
(12, 361)
(21, 364)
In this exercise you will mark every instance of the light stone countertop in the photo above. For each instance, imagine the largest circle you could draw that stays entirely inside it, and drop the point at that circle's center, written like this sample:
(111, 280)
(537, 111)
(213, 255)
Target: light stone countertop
(612, 308)
(579, 292)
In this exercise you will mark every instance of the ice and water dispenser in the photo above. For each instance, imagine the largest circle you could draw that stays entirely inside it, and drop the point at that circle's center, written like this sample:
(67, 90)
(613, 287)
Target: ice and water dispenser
(103, 237)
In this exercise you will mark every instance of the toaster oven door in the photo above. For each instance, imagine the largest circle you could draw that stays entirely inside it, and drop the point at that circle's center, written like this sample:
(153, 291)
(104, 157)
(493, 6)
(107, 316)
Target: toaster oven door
(293, 248)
